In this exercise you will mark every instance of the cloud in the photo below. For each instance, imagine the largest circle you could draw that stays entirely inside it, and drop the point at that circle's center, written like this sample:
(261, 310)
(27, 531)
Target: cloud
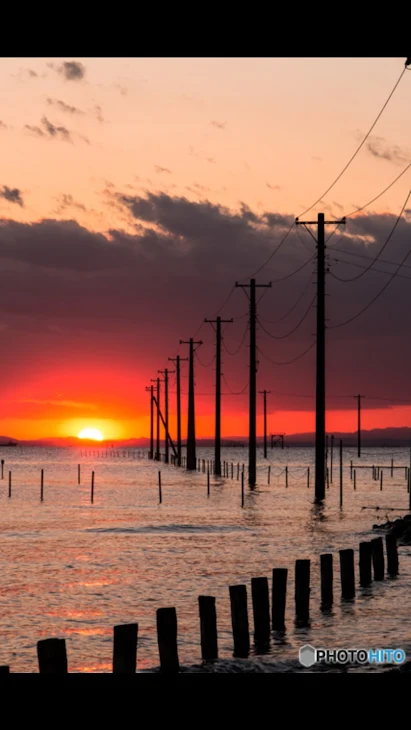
(70, 70)
(218, 125)
(98, 113)
(49, 130)
(12, 195)
(3, 125)
(67, 201)
(63, 107)
(273, 187)
(60, 403)
(162, 169)
(192, 151)
(380, 148)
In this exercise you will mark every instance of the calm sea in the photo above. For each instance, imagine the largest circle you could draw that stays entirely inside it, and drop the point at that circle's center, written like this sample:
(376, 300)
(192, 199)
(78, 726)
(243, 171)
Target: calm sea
(72, 569)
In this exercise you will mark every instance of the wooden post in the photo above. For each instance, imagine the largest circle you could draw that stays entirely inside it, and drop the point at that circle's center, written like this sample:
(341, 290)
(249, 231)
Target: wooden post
(208, 628)
(302, 589)
(239, 620)
(52, 656)
(92, 487)
(208, 481)
(160, 496)
(286, 476)
(331, 459)
(2, 468)
(261, 610)
(347, 573)
(279, 597)
(326, 561)
(351, 469)
(232, 470)
(308, 477)
(328, 478)
(167, 640)
(381, 479)
(365, 563)
(238, 471)
(377, 551)
(392, 467)
(355, 479)
(392, 554)
(242, 489)
(78, 473)
(268, 475)
(9, 483)
(125, 648)
(341, 473)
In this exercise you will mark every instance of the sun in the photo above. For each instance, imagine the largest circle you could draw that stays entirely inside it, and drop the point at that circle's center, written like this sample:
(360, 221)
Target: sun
(91, 433)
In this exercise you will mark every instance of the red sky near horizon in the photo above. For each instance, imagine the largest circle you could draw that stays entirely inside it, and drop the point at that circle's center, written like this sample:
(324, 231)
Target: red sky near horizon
(134, 193)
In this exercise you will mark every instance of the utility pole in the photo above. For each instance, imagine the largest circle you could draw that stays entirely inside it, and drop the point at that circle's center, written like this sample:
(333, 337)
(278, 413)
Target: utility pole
(166, 373)
(217, 438)
(151, 452)
(177, 361)
(264, 394)
(157, 456)
(320, 472)
(252, 438)
(358, 397)
(191, 426)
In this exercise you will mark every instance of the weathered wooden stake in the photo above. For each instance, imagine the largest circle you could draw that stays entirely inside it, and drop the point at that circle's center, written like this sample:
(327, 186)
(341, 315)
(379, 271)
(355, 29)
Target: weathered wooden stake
(392, 554)
(239, 620)
(347, 573)
(9, 483)
(377, 551)
(52, 656)
(167, 640)
(160, 496)
(232, 470)
(268, 474)
(92, 487)
(242, 489)
(365, 563)
(238, 471)
(308, 477)
(392, 467)
(125, 649)
(42, 486)
(2, 468)
(328, 478)
(78, 474)
(326, 562)
(279, 597)
(302, 589)
(355, 479)
(286, 476)
(351, 469)
(381, 479)
(261, 610)
(208, 628)
(341, 473)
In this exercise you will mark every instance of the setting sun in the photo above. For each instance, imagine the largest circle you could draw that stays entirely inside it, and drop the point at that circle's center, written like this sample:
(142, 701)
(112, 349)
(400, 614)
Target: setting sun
(91, 433)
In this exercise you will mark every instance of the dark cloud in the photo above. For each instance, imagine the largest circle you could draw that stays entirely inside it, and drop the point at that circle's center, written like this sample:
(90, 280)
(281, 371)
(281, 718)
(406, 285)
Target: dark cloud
(70, 70)
(67, 201)
(160, 169)
(63, 107)
(108, 294)
(12, 195)
(34, 130)
(380, 148)
(2, 125)
(218, 125)
(98, 113)
(273, 187)
(50, 130)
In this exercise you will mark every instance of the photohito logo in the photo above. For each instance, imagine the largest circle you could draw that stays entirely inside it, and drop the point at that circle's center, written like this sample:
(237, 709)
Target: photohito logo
(309, 656)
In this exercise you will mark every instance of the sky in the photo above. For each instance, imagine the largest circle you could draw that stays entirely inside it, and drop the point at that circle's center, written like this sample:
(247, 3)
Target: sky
(135, 193)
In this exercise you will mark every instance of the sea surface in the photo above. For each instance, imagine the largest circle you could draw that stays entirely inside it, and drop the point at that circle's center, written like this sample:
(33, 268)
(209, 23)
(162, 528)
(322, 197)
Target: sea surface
(72, 569)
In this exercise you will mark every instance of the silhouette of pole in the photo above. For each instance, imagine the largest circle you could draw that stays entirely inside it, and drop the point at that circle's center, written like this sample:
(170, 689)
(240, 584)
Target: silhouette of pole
(157, 457)
(320, 472)
(166, 373)
(252, 437)
(358, 397)
(217, 438)
(177, 361)
(151, 452)
(191, 428)
(264, 394)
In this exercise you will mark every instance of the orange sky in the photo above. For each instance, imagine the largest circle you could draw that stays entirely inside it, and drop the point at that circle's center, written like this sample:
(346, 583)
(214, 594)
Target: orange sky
(143, 186)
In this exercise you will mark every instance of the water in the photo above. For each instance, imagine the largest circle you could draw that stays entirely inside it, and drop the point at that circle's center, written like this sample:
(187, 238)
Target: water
(74, 570)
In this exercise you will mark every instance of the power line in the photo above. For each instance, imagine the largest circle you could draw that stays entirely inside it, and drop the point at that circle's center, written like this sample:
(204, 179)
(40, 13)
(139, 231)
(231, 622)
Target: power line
(240, 392)
(364, 256)
(204, 365)
(364, 309)
(280, 319)
(376, 257)
(358, 210)
(287, 362)
(288, 276)
(358, 266)
(352, 158)
(273, 253)
(232, 354)
(282, 337)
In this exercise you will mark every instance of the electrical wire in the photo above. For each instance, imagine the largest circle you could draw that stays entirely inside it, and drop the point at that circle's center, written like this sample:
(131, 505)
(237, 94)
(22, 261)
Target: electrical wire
(364, 256)
(374, 299)
(240, 392)
(376, 257)
(288, 362)
(358, 210)
(288, 276)
(280, 319)
(358, 266)
(271, 256)
(205, 365)
(232, 354)
(352, 158)
(283, 337)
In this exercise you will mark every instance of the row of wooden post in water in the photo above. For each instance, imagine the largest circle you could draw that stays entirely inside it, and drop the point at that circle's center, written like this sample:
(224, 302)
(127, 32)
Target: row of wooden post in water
(52, 656)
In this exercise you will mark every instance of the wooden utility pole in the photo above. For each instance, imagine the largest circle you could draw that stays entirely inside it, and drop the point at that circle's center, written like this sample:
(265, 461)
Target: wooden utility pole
(151, 452)
(217, 438)
(358, 397)
(320, 472)
(166, 373)
(252, 438)
(191, 427)
(264, 394)
(177, 361)
(157, 456)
